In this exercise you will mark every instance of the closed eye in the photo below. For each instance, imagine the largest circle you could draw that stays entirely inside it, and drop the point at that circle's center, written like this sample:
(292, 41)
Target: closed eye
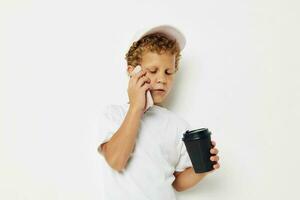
(153, 72)
(171, 73)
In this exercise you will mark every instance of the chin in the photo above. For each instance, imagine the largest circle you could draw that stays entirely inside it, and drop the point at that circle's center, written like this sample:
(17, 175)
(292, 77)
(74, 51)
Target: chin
(158, 100)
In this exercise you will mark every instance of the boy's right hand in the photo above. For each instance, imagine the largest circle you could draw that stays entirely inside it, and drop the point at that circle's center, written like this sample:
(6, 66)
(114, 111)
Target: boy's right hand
(137, 88)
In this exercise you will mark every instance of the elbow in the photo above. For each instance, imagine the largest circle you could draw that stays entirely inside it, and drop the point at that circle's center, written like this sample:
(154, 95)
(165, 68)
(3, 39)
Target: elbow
(119, 167)
(114, 163)
(178, 189)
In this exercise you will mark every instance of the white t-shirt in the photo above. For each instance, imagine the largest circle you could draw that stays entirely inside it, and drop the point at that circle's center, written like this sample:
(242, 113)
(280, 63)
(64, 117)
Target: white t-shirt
(159, 152)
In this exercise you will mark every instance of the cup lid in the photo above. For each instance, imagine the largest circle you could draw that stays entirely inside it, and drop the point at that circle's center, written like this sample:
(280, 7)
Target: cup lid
(200, 133)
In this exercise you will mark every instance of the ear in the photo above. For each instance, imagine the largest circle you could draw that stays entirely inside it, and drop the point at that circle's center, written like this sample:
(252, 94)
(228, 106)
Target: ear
(129, 69)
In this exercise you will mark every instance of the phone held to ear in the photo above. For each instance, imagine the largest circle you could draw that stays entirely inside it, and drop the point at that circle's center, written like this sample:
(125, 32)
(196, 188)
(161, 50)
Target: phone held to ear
(149, 100)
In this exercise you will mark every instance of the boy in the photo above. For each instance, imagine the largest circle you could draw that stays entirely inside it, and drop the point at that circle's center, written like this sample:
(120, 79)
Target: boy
(144, 156)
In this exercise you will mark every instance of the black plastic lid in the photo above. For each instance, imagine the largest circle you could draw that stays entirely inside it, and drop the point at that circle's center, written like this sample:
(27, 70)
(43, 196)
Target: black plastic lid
(196, 134)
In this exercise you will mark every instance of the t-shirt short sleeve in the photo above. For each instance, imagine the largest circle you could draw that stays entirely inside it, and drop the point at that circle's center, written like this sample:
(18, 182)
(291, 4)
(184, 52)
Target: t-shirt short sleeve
(108, 122)
(184, 160)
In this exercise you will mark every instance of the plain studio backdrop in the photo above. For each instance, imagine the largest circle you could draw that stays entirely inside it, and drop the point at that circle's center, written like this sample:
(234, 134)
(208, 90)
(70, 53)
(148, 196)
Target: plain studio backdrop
(62, 61)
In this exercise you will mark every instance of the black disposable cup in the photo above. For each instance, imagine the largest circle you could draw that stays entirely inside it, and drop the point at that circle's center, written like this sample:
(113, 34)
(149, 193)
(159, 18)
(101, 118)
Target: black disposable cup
(198, 145)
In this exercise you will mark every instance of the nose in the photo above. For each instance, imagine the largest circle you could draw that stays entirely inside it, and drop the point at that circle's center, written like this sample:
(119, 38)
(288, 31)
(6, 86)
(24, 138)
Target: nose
(161, 78)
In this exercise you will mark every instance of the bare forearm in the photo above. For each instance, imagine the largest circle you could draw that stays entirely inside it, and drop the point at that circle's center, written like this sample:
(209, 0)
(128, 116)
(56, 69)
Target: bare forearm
(121, 145)
(187, 179)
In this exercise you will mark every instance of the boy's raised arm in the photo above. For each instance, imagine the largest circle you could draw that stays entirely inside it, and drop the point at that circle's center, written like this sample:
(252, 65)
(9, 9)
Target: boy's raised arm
(118, 149)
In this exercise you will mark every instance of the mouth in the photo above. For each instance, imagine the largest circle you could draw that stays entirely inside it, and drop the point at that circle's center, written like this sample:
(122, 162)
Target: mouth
(159, 91)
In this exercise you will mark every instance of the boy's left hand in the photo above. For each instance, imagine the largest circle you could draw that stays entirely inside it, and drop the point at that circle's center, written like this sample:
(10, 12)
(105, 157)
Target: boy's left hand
(214, 157)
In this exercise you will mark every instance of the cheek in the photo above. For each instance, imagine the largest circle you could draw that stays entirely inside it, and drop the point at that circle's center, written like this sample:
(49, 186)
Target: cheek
(170, 81)
(150, 77)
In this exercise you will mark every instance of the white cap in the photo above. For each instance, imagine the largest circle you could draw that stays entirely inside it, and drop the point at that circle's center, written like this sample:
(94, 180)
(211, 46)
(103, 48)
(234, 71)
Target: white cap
(168, 30)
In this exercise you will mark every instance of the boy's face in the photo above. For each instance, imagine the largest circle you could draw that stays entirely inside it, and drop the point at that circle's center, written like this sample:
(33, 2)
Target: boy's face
(161, 71)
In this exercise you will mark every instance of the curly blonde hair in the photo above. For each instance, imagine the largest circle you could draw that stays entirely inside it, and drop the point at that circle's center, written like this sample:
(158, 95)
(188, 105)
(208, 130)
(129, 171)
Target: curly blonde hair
(157, 43)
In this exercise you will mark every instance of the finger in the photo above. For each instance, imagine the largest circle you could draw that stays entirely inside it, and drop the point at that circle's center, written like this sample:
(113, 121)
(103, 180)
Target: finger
(216, 166)
(214, 151)
(213, 143)
(214, 158)
(146, 86)
(138, 75)
(142, 76)
(142, 81)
